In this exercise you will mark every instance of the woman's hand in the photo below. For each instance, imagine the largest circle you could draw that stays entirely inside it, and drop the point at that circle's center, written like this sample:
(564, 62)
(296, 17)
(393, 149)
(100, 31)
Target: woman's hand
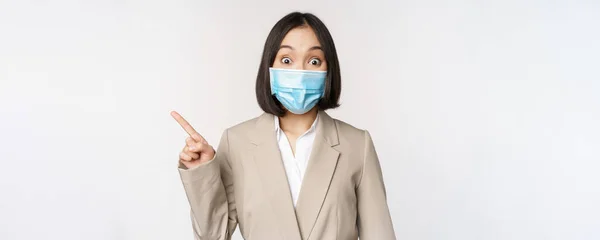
(196, 150)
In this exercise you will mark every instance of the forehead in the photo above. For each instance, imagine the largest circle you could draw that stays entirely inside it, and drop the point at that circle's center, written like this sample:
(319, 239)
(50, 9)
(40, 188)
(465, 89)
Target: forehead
(303, 37)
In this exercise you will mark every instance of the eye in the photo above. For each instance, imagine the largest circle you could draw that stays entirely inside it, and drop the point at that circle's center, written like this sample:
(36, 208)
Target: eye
(286, 60)
(315, 61)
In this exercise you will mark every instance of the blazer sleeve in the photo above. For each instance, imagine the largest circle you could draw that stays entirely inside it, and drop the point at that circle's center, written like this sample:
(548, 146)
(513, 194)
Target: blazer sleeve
(374, 220)
(209, 190)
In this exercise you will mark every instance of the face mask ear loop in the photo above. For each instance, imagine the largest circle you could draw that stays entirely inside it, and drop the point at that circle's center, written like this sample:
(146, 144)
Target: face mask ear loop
(323, 94)
(324, 88)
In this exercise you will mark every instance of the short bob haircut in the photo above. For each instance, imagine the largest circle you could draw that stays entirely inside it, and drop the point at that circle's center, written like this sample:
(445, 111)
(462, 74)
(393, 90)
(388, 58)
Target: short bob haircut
(333, 83)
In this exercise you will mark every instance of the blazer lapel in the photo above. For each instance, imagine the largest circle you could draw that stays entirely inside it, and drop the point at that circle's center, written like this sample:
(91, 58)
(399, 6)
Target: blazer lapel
(321, 166)
(268, 161)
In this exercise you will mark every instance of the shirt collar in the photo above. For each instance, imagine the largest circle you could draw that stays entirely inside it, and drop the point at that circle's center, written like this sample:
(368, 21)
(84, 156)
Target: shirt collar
(312, 127)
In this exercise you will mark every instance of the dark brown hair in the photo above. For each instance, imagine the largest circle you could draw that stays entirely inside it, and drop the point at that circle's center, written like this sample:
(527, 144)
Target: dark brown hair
(333, 83)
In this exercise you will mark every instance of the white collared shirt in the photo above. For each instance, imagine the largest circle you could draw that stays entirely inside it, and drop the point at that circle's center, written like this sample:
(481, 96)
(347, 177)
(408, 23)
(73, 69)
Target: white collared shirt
(295, 166)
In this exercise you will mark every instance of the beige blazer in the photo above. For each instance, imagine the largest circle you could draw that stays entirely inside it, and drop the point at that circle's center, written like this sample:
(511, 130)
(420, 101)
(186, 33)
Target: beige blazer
(342, 195)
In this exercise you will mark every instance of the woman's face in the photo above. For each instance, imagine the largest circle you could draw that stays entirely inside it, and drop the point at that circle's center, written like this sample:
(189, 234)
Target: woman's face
(300, 49)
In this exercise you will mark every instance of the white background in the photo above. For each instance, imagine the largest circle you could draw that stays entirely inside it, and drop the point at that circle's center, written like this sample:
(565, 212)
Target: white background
(485, 114)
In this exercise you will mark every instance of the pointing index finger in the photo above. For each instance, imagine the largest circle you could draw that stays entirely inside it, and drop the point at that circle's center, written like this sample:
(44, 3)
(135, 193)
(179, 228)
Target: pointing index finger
(187, 127)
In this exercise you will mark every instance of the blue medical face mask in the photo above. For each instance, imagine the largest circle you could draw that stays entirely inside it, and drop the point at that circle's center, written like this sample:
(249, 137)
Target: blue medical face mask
(297, 90)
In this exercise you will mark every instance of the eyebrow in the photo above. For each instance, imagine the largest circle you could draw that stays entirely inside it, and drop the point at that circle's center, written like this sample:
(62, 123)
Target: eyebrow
(310, 49)
(286, 46)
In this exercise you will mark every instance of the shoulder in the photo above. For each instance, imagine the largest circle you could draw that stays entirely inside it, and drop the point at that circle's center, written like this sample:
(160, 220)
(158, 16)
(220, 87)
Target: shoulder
(252, 130)
(346, 128)
(242, 129)
(350, 134)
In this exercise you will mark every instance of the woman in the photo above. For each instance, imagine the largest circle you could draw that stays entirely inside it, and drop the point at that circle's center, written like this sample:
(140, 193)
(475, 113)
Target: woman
(293, 172)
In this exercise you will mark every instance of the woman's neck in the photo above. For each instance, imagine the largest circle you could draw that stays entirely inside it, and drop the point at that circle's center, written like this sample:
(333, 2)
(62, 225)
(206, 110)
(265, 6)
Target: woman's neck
(297, 123)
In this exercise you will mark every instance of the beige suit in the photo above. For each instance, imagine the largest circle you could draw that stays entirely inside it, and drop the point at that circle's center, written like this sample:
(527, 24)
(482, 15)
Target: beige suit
(342, 195)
